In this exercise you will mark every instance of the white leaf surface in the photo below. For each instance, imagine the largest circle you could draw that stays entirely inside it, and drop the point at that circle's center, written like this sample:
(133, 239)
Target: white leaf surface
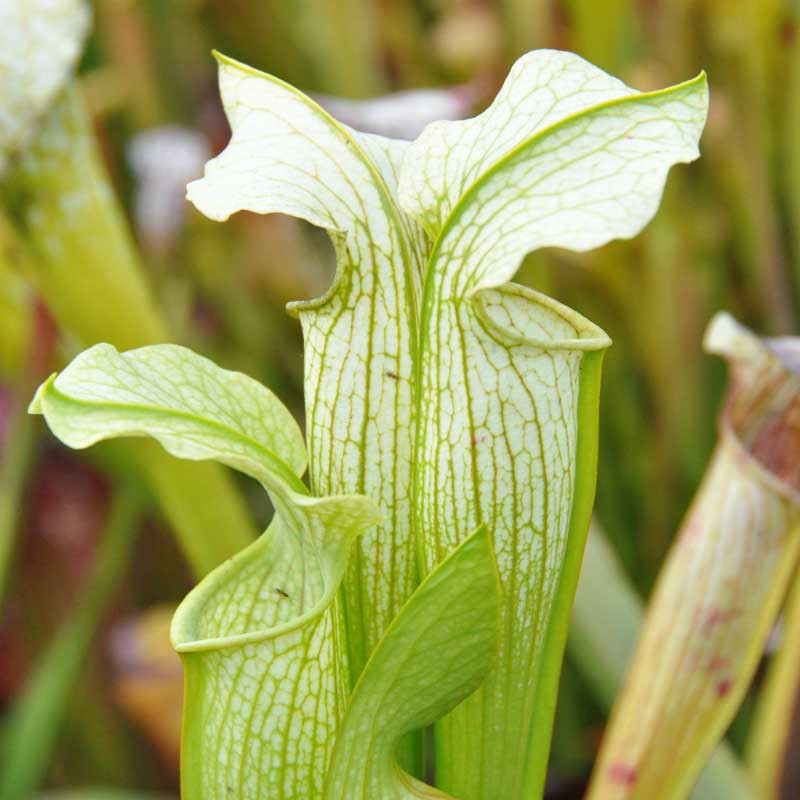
(264, 669)
(265, 683)
(194, 408)
(565, 156)
(501, 426)
(288, 155)
(507, 379)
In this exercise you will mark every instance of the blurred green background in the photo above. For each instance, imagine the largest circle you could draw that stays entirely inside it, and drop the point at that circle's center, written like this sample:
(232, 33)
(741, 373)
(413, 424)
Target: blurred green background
(727, 236)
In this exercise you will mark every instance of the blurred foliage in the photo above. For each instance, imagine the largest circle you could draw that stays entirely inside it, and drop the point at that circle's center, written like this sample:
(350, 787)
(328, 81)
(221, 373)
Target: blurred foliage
(727, 236)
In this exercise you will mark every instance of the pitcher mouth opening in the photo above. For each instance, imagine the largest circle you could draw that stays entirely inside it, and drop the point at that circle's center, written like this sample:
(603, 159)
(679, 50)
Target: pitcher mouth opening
(762, 407)
(518, 315)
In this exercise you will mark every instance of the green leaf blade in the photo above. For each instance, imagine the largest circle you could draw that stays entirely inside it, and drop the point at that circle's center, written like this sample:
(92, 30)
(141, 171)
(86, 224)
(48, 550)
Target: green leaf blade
(436, 652)
(31, 728)
(542, 88)
(265, 673)
(194, 408)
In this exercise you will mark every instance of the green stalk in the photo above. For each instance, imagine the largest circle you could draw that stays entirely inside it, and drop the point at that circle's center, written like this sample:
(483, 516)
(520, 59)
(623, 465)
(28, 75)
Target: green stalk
(674, 21)
(790, 153)
(345, 50)
(16, 459)
(773, 724)
(528, 24)
(769, 260)
(13, 470)
(606, 620)
(85, 267)
(33, 723)
(15, 318)
(200, 502)
(85, 263)
(403, 34)
(746, 166)
(604, 39)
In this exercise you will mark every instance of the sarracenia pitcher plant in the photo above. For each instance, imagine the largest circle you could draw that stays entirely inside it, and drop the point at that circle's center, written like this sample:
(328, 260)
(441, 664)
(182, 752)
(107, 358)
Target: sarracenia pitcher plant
(451, 427)
(720, 590)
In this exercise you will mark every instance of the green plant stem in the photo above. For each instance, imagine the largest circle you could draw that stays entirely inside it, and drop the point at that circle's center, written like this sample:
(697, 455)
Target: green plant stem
(16, 456)
(84, 262)
(528, 24)
(791, 152)
(404, 35)
(16, 460)
(773, 723)
(606, 619)
(604, 39)
(674, 24)
(745, 162)
(33, 724)
(767, 253)
(344, 50)
(85, 267)
(15, 318)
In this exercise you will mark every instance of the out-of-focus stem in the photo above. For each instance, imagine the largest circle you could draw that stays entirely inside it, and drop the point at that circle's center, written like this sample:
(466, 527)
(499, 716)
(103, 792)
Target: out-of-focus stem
(15, 458)
(528, 24)
(344, 46)
(718, 595)
(674, 28)
(33, 723)
(747, 152)
(14, 464)
(201, 504)
(774, 724)
(790, 151)
(84, 265)
(15, 319)
(604, 39)
(403, 33)
(606, 620)
(122, 29)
